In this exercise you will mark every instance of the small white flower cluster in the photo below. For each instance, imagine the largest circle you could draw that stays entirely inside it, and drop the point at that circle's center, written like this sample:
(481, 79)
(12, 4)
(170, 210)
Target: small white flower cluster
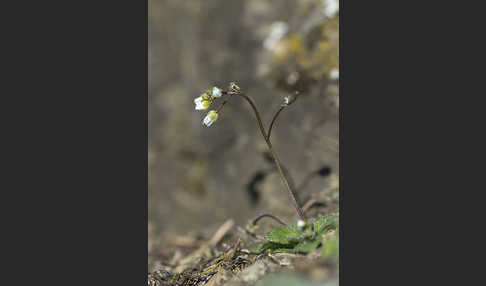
(204, 101)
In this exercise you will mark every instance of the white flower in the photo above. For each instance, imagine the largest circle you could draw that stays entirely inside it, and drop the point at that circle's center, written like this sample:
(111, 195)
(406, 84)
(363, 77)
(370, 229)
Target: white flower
(210, 118)
(216, 92)
(203, 102)
(300, 223)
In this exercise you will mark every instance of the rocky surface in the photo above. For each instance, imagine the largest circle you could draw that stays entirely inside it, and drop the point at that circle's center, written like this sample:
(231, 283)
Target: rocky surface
(229, 257)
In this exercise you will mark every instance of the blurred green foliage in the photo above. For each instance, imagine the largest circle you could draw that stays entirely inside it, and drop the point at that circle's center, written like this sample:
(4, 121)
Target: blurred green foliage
(293, 280)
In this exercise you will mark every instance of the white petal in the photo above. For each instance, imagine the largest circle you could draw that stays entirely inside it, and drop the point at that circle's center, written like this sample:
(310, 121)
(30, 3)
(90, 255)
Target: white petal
(217, 92)
(210, 118)
(199, 103)
(208, 121)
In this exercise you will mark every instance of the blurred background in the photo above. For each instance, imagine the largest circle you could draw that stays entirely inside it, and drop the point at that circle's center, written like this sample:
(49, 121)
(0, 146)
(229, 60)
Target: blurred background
(198, 176)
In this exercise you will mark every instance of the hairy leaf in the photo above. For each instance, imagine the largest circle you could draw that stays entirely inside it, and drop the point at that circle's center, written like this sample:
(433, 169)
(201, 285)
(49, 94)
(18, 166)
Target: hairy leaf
(307, 246)
(330, 220)
(258, 247)
(284, 235)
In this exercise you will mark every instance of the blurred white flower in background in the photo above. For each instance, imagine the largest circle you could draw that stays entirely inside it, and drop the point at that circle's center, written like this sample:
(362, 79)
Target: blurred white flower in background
(334, 74)
(331, 7)
(293, 77)
(277, 31)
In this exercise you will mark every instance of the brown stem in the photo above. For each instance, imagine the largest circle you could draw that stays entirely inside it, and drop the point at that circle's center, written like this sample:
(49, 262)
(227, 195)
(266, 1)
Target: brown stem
(286, 183)
(273, 121)
(221, 106)
(275, 157)
(255, 221)
(257, 114)
(286, 172)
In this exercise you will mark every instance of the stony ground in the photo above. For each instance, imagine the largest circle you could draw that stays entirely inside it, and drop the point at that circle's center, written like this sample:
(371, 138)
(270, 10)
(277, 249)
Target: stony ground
(228, 257)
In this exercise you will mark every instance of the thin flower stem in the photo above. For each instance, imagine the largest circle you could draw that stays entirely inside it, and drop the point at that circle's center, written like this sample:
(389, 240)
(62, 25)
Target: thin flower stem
(273, 121)
(286, 183)
(275, 157)
(255, 221)
(257, 114)
(221, 106)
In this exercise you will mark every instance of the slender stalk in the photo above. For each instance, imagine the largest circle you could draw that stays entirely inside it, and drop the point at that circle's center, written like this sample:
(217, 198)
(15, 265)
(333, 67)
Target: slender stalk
(255, 221)
(221, 106)
(286, 183)
(273, 121)
(286, 172)
(275, 157)
(257, 114)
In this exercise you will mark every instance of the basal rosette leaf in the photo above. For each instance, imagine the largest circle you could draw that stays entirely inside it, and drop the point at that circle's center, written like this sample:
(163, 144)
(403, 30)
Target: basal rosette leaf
(284, 235)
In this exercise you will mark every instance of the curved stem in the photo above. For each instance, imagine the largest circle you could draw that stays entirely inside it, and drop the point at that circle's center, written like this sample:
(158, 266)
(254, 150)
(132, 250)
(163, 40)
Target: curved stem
(275, 157)
(221, 106)
(273, 121)
(257, 114)
(269, 216)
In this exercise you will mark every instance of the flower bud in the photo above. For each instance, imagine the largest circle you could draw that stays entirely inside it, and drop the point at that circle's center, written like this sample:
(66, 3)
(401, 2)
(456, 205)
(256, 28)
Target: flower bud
(289, 99)
(234, 87)
(210, 118)
(300, 224)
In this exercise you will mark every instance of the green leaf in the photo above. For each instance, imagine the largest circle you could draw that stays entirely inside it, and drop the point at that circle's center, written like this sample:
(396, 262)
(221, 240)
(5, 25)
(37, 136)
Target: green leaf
(308, 246)
(281, 250)
(330, 220)
(257, 248)
(331, 246)
(250, 227)
(288, 279)
(284, 235)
